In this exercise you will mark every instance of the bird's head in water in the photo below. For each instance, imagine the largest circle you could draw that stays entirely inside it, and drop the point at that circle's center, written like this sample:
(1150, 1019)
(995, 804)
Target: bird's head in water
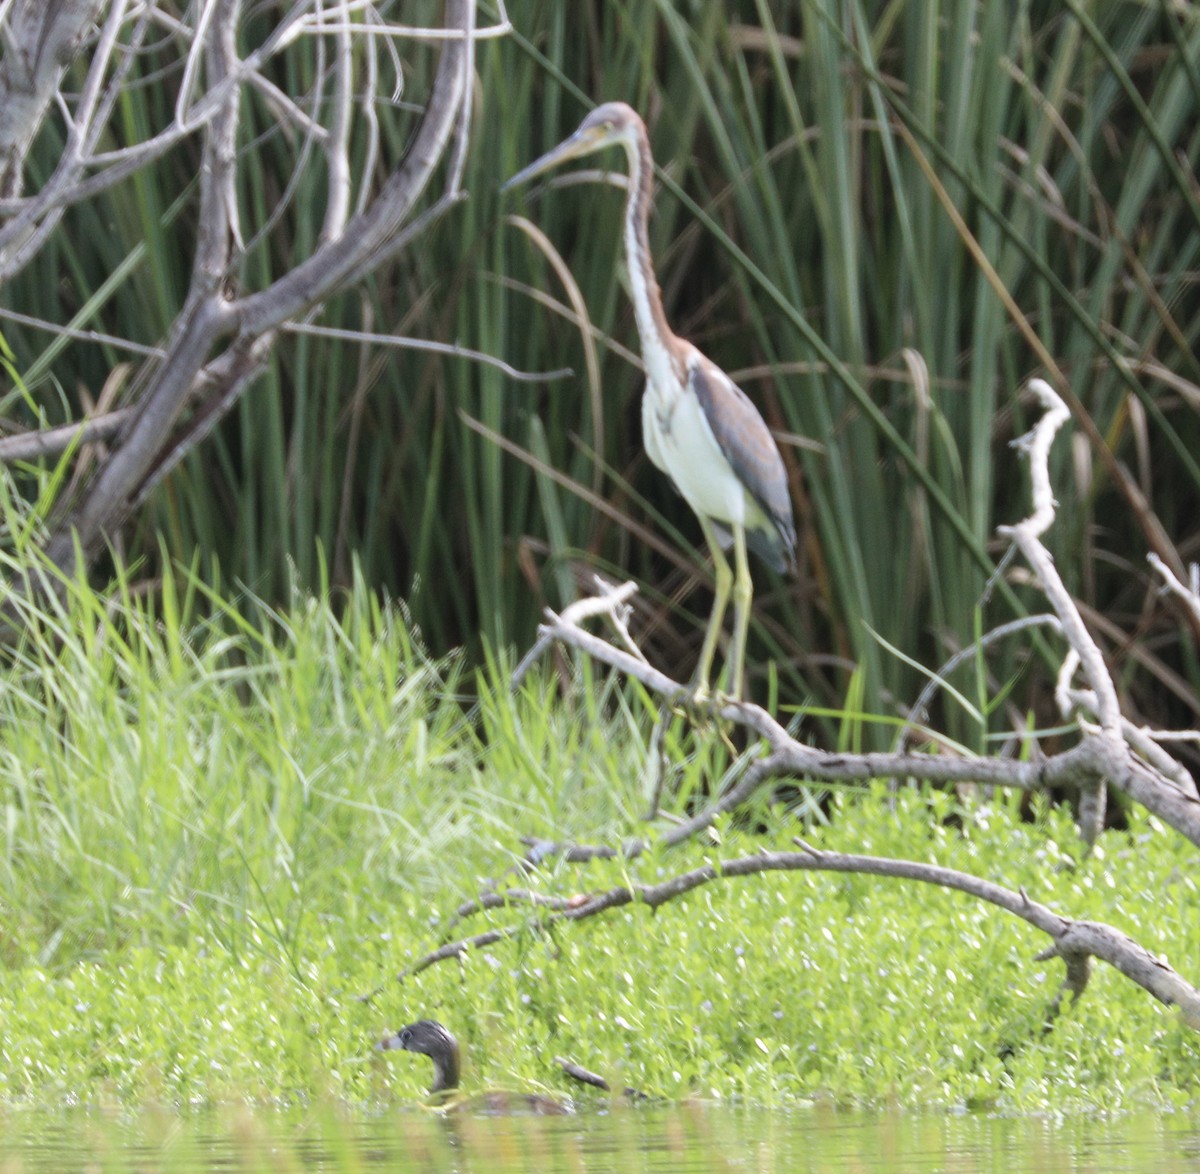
(428, 1038)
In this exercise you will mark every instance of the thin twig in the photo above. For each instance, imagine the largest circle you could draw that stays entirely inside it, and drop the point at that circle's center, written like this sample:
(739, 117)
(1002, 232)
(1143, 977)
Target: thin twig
(1188, 594)
(919, 710)
(452, 349)
(590, 606)
(337, 143)
(96, 336)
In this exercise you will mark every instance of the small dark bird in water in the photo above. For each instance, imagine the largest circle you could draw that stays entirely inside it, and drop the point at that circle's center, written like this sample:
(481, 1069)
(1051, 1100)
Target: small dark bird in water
(429, 1038)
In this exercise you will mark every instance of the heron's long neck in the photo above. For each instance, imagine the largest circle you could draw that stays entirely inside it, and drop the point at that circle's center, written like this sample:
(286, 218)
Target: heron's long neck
(647, 299)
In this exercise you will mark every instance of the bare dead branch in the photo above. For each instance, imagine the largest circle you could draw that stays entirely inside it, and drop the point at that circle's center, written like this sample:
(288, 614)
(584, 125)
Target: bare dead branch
(1071, 940)
(792, 758)
(452, 349)
(1072, 703)
(53, 442)
(96, 336)
(581, 1074)
(1094, 758)
(1187, 593)
(594, 1079)
(461, 948)
(216, 389)
(507, 899)
(153, 439)
(337, 142)
(919, 708)
(606, 604)
(374, 235)
(40, 41)
(411, 32)
(115, 490)
(110, 497)
(462, 138)
(1026, 537)
(1107, 754)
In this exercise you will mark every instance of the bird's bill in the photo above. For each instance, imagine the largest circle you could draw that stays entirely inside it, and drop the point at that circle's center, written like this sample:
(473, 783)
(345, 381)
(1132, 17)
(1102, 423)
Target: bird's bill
(390, 1044)
(577, 144)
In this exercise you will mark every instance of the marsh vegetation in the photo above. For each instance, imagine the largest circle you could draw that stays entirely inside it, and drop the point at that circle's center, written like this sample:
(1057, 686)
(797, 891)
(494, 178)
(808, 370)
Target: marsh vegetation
(260, 749)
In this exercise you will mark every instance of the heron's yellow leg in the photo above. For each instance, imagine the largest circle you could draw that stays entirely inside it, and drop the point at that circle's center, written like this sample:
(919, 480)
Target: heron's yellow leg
(743, 590)
(724, 581)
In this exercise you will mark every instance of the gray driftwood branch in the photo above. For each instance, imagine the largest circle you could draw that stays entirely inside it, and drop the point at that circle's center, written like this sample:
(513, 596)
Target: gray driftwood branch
(1090, 759)
(1074, 941)
(39, 41)
(223, 336)
(1110, 752)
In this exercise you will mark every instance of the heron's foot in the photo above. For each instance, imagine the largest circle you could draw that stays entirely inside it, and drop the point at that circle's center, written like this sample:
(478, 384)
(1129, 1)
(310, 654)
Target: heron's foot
(702, 711)
(703, 706)
(704, 696)
(703, 701)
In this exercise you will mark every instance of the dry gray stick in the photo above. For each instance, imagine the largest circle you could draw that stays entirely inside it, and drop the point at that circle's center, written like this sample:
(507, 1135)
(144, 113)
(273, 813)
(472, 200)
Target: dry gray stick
(52, 442)
(1026, 536)
(1071, 940)
(40, 40)
(1102, 758)
(604, 604)
(1142, 739)
(580, 1073)
(337, 143)
(919, 709)
(1091, 759)
(1187, 593)
(149, 443)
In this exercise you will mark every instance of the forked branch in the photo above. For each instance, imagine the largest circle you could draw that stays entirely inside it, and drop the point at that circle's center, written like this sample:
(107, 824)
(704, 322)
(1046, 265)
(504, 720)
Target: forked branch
(1109, 752)
(222, 337)
(1073, 941)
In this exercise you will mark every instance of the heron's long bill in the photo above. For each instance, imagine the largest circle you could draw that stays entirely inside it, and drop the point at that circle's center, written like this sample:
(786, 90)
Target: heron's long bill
(577, 144)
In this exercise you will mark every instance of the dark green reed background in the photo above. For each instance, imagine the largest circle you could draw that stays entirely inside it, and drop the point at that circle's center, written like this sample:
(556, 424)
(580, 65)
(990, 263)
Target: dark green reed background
(880, 217)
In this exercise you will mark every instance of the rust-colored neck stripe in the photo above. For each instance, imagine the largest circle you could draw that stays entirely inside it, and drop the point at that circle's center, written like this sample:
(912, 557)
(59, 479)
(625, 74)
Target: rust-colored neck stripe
(647, 295)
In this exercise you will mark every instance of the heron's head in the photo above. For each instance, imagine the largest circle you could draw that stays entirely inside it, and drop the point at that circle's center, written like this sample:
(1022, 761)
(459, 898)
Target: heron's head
(614, 122)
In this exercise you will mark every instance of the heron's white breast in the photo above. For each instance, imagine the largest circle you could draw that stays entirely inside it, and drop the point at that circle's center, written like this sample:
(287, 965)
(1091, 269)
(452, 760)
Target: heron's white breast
(679, 441)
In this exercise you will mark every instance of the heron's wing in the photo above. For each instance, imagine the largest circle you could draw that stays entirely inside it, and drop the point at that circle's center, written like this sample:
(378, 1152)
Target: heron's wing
(751, 451)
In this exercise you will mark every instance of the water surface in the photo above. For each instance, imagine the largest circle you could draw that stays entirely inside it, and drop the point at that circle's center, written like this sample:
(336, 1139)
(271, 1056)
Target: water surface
(680, 1138)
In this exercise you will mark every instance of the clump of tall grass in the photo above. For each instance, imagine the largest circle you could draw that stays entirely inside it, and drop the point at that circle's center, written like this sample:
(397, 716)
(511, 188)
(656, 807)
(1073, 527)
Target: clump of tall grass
(182, 758)
(175, 758)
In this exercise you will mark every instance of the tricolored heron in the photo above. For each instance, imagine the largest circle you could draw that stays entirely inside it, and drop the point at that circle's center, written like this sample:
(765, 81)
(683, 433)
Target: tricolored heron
(698, 426)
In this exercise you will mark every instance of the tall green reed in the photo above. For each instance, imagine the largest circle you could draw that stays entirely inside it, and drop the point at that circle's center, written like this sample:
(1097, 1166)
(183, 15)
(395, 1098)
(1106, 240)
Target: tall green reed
(821, 146)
